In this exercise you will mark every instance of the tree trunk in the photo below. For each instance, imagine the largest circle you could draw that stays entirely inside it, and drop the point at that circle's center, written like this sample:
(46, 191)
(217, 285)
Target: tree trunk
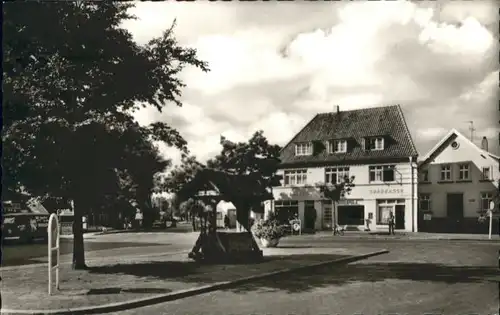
(242, 216)
(78, 248)
(147, 217)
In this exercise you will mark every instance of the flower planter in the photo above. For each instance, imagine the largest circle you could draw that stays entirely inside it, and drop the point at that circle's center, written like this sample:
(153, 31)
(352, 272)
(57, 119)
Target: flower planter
(269, 242)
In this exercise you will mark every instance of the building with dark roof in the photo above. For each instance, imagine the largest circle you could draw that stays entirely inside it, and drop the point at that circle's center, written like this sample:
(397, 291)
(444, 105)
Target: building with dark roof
(375, 146)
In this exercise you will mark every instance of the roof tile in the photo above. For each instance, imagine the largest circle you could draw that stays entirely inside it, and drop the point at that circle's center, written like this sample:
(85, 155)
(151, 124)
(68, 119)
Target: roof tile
(385, 121)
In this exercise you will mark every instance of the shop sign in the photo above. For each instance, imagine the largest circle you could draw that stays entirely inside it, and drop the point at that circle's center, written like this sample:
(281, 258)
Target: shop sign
(386, 191)
(349, 202)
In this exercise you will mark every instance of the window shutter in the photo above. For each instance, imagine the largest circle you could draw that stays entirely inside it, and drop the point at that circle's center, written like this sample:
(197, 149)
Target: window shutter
(363, 143)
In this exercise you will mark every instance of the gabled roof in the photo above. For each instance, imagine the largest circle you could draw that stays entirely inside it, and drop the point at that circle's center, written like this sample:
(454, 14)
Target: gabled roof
(229, 187)
(454, 133)
(355, 125)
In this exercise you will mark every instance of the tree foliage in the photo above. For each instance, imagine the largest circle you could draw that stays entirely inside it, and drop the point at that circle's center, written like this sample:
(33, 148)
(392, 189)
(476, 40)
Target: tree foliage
(72, 79)
(337, 191)
(254, 157)
(182, 174)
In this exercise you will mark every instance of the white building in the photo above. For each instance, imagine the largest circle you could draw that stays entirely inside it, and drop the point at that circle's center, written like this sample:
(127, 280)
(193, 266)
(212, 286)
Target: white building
(457, 181)
(372, 144)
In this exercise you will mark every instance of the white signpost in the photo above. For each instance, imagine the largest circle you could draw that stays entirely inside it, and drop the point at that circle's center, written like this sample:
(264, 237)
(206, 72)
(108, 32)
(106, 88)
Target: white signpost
(53, 248)
(492, 207)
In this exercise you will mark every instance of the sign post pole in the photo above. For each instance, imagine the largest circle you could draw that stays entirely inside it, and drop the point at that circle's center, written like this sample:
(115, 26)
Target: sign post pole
(53, 247)
(492, 206)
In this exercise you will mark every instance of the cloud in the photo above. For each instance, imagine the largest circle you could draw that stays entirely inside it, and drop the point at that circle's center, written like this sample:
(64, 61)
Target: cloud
(432, 133)
(439, 61)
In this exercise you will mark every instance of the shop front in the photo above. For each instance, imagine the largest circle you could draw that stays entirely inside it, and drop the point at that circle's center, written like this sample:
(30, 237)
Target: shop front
(367, 208)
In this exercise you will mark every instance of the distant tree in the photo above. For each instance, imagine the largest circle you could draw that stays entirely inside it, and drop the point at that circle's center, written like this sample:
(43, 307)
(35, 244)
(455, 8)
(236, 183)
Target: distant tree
(181, 174)
(72, 79)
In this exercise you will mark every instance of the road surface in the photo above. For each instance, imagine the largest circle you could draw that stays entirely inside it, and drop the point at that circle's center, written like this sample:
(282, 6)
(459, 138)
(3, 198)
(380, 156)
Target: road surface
(126, 244)
(416, 277)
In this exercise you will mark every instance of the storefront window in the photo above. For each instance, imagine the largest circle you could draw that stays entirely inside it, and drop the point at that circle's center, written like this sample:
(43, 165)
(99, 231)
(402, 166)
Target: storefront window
(384, 207)
(383, 214)
(286, 210)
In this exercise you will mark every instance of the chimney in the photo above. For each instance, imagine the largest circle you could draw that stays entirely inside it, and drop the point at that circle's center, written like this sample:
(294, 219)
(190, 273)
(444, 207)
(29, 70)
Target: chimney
(338, 109)
(484, 144)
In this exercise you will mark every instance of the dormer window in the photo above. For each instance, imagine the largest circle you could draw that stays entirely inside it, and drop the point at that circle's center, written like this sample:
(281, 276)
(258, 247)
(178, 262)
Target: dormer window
(376, 143)
(302, 149)
(337, 146)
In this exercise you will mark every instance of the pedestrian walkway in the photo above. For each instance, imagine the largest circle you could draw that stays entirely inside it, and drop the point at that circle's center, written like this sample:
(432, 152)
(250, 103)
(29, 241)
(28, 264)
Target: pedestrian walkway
(408, 235)
(126, 279)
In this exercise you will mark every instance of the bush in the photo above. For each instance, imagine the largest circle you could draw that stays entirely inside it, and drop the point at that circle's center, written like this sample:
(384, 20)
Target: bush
(268, 228)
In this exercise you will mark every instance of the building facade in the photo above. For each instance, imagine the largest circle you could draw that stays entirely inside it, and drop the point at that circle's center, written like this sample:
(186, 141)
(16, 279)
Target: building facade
(457, 181)
(373, 145)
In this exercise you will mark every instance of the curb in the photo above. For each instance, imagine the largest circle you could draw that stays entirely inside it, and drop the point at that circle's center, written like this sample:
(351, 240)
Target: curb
(27, 266)
(408, 237)
(121, 306)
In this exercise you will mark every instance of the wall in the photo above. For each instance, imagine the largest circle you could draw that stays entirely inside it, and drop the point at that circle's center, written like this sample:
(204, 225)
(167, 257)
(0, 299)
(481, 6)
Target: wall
(367, 193)
(467, 152)
(472, 190)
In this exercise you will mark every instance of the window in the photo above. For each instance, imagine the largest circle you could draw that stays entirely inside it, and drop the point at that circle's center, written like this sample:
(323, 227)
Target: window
(446, 172)
(376, 143)
(486, 173)
(424, 176)
(303, 149)
(336, 175)
(486, 198)
(337, 146)
(425, 202)
(463, 172)
(295, 177)
(384, 173)
(383, 214)
(286, 210)
(385, 207)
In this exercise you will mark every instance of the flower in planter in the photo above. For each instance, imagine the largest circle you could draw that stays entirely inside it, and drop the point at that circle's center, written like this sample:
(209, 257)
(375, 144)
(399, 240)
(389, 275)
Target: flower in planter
(268, 229)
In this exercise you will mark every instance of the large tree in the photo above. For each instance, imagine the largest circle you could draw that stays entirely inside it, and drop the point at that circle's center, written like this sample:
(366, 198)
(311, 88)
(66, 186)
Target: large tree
(72, 79)
(255, 158)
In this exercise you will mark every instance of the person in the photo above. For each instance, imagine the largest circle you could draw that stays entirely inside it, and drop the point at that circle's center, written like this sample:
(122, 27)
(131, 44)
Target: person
(138, 218)
(226, 222)
(391, 224)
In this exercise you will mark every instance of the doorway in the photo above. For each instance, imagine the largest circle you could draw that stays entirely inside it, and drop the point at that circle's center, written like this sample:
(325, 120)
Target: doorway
(327, 223)
(455, 211)
(399, 217)
(310, 215)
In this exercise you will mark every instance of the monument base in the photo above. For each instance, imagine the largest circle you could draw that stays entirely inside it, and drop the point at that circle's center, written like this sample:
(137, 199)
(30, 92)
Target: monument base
(226, 247)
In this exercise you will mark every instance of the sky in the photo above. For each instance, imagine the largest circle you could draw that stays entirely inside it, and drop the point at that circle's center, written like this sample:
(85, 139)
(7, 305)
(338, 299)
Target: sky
(274, 65)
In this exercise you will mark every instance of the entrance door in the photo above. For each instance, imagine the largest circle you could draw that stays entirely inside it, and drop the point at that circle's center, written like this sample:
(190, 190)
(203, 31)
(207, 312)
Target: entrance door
(309, 215)
(327, 215)
(455, 211)
(400, 217)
